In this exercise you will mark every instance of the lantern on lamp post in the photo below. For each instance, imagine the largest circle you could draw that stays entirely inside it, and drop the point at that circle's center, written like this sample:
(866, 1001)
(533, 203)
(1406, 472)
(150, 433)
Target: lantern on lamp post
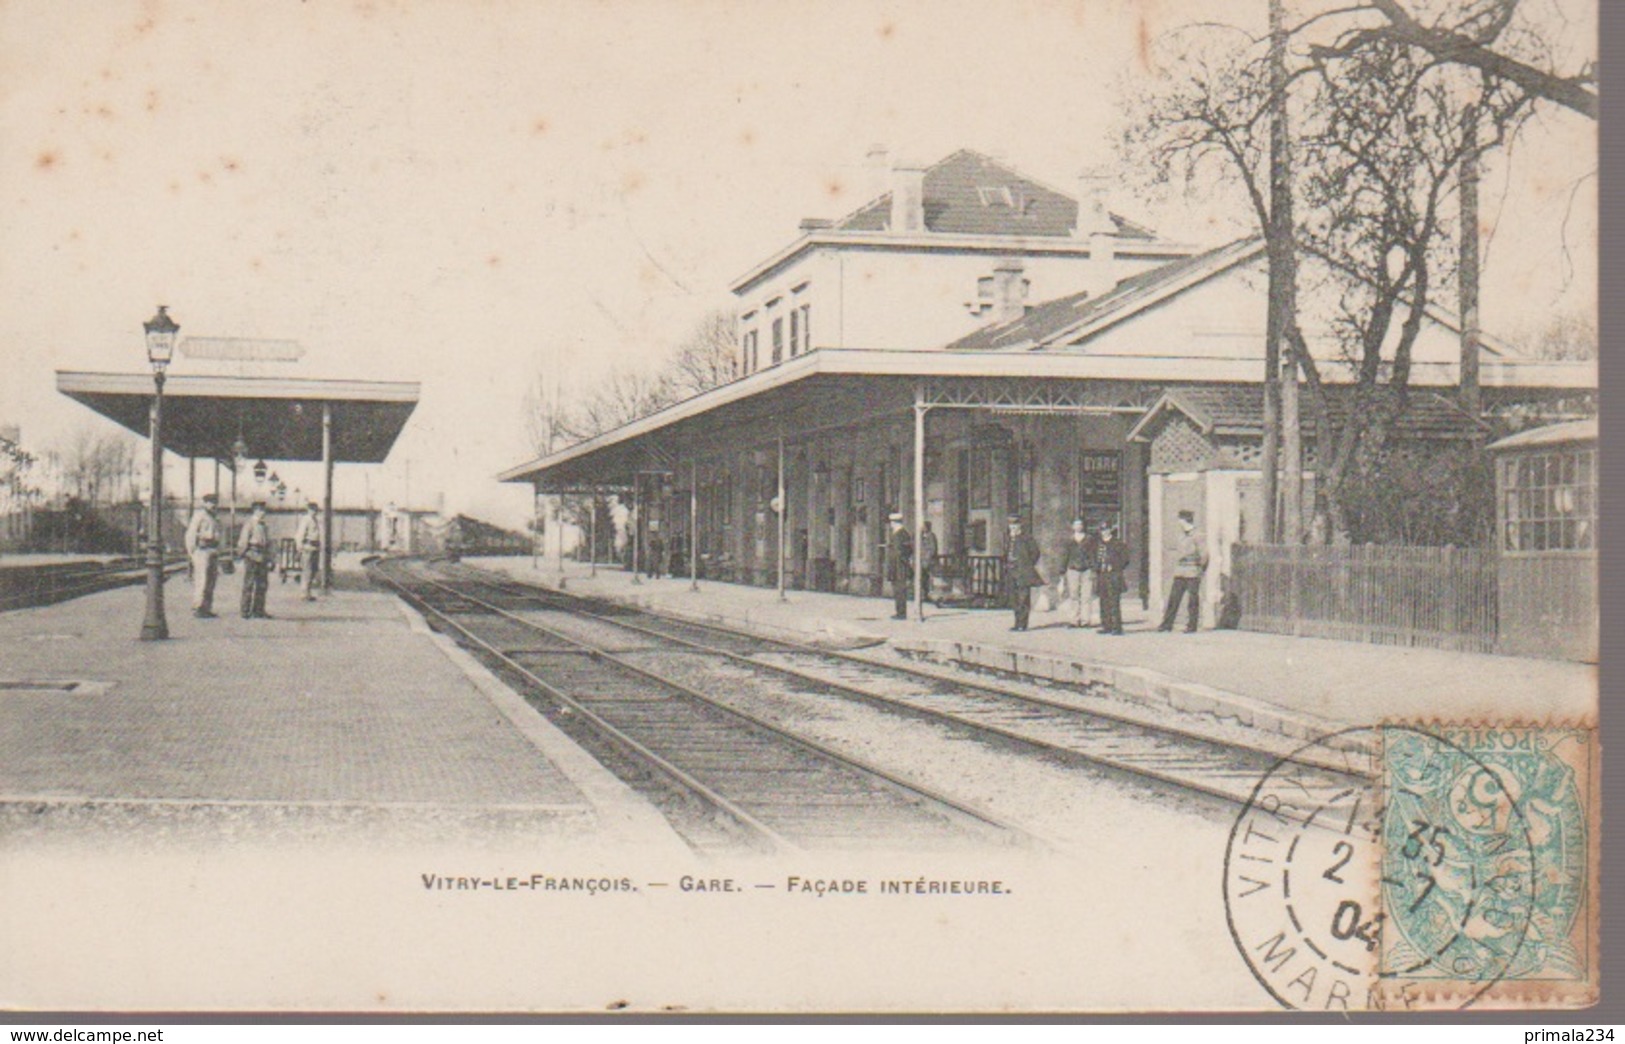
(160, 332)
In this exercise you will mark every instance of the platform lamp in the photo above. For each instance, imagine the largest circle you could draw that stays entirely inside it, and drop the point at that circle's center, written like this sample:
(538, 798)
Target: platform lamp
(259, 472)
(161, 331)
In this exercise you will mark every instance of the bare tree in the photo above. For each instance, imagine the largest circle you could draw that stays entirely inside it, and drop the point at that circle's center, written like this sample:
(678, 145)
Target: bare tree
(701, 361)
(1382, 164)
(1381, 133)
(1495, 37)
(1564, 335)
(96, 465)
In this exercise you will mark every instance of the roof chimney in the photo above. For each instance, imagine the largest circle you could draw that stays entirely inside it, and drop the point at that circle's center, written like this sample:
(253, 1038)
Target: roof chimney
(1009, 291)
(908, 198)
(1096, 225)
(1094, 218)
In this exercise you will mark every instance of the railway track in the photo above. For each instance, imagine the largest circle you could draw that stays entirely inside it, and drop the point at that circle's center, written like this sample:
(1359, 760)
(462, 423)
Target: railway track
(1164, 755)
(27, 586)
(724, 778)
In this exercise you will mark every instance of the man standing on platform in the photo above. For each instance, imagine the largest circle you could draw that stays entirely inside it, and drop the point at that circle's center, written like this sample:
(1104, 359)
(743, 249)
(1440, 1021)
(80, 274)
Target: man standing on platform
(900, 564)
(657, 551)
(1080, 573)
(203, 547)
(1021, 572)
(1188, 569)
(254, 548)
(308, 538)
(928, 558)
(1111, 561)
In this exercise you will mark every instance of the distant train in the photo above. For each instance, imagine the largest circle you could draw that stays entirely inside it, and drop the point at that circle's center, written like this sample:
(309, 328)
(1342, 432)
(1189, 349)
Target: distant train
(461, 535)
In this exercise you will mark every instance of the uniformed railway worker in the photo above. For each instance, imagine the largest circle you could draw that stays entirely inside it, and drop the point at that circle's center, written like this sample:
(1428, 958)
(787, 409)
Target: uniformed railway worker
(203, 548)
(1021, 572)
(900, 564)
(1111, 561)
(254, 548)
(928, 558)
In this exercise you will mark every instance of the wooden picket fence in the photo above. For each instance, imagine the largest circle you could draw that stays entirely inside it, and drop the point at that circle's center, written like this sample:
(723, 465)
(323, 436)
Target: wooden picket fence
(1436, 597)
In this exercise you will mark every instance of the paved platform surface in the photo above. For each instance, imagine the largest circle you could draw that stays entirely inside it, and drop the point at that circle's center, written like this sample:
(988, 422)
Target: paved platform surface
(1295, 686)
(338, 715)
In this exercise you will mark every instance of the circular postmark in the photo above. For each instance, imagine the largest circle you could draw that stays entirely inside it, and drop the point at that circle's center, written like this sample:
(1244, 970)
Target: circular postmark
(1373, 861)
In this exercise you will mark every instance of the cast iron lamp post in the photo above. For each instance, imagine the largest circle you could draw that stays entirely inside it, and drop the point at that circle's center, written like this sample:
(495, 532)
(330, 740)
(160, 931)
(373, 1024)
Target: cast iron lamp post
(161, 331)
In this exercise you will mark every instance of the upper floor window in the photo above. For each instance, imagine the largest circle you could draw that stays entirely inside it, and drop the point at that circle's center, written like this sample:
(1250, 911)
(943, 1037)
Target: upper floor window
(778, 340)
(806, 327)
(748, 352)
(795, 332)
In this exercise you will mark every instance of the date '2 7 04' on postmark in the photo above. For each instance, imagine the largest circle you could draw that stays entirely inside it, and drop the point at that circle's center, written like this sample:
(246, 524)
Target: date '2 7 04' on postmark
(1421, 867)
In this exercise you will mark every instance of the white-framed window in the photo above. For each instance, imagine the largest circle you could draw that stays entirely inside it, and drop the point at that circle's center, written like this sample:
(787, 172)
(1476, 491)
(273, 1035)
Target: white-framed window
(778, 340)
(1549, 501)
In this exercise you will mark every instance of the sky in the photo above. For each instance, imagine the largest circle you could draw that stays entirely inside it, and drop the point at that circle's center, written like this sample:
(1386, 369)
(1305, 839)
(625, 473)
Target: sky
(466, 193)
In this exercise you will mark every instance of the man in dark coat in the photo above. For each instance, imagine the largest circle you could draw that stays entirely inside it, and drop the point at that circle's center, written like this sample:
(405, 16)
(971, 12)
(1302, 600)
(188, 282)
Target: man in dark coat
(928, 558)
(1021, 572)
(656, 549)
(900, 564)
(1111, 560)
(1078, 560)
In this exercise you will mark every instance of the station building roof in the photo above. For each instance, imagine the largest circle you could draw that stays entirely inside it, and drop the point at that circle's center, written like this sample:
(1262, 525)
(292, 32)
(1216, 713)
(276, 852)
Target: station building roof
(1238, 411)
(1579, 431)
(278, 418)
(833, 387)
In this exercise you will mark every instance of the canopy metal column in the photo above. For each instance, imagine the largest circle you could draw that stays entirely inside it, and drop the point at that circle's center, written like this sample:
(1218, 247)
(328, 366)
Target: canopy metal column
(635, 525)
(779, 504)
(327, 496)
(693, 525)
(919, 500)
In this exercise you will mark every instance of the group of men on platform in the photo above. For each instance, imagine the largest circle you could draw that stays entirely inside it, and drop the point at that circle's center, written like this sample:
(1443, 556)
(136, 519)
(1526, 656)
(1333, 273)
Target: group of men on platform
(204, 537)
(1093, 566)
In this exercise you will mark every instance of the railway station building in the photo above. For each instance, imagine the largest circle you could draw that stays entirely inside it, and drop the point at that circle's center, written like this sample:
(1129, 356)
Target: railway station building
(970, 345)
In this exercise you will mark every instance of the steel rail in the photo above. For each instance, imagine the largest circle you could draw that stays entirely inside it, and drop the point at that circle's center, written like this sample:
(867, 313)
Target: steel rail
(906, 787)
(1069, 710)
(676, 774)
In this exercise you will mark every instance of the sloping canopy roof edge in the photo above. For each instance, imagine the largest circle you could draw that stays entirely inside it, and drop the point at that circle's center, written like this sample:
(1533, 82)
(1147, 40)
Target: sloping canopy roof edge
(278, 418)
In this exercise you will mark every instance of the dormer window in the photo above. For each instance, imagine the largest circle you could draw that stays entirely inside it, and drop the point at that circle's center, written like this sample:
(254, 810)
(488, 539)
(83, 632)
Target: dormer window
(996, 196)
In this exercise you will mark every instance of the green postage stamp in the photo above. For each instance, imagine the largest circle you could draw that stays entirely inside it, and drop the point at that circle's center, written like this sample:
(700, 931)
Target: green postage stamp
(1422, 866)
(1488, 846)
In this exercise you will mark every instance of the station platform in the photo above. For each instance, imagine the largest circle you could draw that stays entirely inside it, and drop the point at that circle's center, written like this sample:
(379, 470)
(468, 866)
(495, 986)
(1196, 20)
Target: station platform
(1301, 688)
(344, 719)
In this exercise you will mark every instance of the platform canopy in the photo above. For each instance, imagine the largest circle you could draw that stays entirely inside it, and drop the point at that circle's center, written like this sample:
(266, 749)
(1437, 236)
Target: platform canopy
(277, 418)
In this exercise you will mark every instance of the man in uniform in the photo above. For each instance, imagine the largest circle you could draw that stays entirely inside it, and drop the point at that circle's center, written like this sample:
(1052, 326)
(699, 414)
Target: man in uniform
(656, 548)
(1111, 560)
(1189, 566)
(203, 547)
(254, 548)
(928, 558)
(1021, 572)
(1080, 573)
(308, 538)
(900, 564)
